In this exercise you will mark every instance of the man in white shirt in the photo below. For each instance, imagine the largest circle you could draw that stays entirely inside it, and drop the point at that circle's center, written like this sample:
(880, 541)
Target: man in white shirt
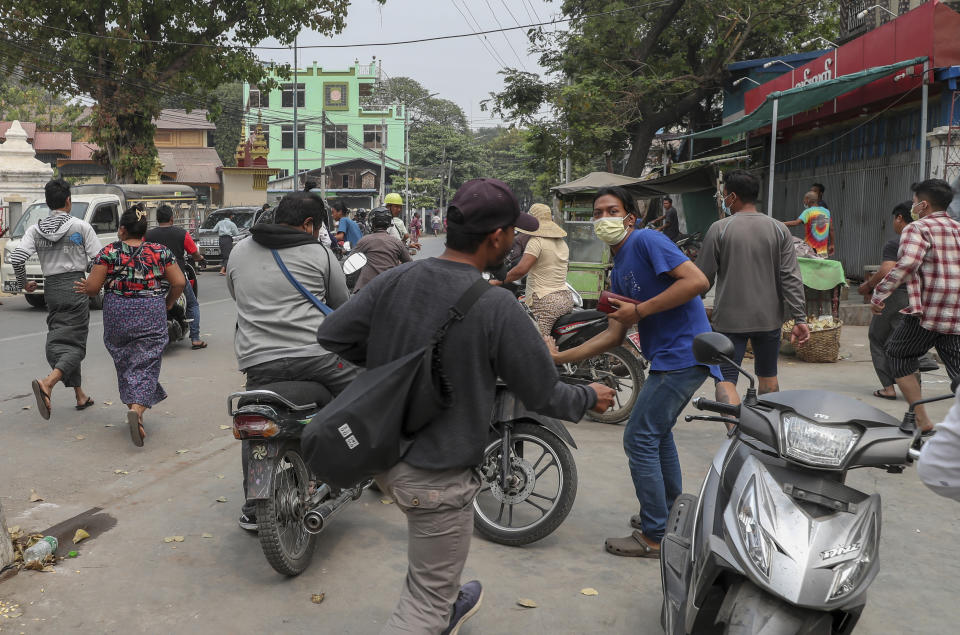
(226, 229)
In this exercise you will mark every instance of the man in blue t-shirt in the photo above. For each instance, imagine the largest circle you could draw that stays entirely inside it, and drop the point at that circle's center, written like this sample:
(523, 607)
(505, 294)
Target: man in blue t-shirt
(347, 228)
(649, 268)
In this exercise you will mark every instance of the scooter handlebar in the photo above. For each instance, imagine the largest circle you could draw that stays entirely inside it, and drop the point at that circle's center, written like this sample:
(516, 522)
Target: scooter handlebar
(701, 403)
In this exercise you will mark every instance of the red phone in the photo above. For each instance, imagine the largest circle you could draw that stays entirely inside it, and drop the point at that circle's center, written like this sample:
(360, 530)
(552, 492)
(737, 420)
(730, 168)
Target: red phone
(603, 304)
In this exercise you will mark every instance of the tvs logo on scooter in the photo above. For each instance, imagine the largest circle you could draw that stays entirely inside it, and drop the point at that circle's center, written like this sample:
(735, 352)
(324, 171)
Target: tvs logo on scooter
(839, 551)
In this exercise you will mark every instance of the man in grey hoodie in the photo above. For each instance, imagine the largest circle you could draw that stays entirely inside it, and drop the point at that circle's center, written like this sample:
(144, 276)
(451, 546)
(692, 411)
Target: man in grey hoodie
(277, 326)
(64, 245)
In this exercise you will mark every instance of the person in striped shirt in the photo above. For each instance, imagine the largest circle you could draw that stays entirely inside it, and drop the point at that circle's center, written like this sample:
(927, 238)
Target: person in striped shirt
(929, 259)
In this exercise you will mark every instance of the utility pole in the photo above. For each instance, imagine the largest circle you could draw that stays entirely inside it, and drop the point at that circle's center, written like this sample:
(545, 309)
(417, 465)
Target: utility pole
(323, 154)
(383, 159)
(443, 160)
(296, 128)
(406, 164)
(569, 141)
(449, 174)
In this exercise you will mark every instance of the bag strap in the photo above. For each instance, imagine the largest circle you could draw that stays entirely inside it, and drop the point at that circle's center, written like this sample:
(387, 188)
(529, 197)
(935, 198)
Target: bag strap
(462, 306)
(299, 287)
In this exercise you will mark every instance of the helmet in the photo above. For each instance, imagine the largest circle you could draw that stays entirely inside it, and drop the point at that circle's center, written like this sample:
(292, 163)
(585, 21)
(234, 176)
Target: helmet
(380, 218)
(393, 199)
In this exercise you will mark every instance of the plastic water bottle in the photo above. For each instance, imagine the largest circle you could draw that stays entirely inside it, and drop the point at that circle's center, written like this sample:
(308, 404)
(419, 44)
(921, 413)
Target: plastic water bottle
(39, 551)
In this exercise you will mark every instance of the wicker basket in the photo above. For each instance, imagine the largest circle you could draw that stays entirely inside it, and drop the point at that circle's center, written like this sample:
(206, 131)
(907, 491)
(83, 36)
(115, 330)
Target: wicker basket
(823, 346)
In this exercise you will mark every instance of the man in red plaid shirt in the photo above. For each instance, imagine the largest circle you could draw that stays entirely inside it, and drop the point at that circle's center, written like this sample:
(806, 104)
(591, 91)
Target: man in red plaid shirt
(929, 257)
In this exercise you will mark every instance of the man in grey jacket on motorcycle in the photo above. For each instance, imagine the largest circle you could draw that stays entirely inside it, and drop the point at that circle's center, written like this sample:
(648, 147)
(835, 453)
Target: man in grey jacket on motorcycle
(276, 326)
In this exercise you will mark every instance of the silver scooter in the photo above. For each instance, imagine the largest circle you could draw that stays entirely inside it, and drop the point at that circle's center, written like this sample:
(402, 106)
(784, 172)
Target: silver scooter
(776, 542)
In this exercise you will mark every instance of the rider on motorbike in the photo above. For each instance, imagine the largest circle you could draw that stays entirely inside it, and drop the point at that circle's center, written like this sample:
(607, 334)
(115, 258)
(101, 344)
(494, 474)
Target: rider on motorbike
(179, 241)
(394, 203)
(382, 249)
(276, 325)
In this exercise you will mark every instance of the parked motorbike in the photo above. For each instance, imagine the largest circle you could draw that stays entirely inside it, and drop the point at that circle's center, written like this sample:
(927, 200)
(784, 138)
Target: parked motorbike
(528, 472)
(776, 542)
(690, 245)
(178, 324)
(622, 368)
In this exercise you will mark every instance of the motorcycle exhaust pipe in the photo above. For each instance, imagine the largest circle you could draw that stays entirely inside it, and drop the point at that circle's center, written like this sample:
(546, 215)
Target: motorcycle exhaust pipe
(315, 520)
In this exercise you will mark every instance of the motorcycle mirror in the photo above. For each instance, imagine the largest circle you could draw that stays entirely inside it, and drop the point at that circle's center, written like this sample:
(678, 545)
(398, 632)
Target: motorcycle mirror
(712, 348)
(354, 263)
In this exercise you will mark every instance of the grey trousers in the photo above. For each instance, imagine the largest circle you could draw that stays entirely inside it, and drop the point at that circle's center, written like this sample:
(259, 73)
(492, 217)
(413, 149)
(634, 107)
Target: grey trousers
(68, 321)
(439, 510)
(881, 327)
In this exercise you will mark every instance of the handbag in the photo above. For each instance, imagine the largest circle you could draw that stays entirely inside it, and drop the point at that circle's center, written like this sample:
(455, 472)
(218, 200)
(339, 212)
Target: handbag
(369, 426)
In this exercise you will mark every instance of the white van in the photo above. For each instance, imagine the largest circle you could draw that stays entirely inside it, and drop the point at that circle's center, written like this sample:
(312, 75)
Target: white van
(101, 206)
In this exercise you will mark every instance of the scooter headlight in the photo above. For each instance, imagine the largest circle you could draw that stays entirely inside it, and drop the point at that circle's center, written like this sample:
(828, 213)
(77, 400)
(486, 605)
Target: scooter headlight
(758, 545)
(815, 444)
(847, 575)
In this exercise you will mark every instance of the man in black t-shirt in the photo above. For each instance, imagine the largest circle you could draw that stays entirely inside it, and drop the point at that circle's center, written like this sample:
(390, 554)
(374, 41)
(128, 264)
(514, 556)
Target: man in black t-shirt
(179, 241)
(671, 222)
(884, 324)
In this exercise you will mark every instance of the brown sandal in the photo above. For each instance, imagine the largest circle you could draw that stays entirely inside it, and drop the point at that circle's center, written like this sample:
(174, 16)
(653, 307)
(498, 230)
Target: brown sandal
(136, 428)
(633, 546)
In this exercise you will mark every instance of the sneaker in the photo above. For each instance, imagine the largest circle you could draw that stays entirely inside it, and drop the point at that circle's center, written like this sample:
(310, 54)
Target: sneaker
(248, 522)
(468, 603)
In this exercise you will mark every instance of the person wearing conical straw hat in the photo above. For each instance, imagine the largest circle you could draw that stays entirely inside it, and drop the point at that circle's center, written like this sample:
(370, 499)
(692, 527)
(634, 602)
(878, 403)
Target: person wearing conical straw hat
(544, 262)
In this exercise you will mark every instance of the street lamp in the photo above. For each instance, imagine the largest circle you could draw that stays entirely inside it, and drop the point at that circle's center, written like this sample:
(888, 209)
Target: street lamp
(772, 62)
(864, 13)
(745, 79)
(819, 39)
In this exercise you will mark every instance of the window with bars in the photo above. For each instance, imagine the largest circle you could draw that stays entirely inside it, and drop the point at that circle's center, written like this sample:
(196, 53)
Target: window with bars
(286, 136)
(259, 98)
(286, 95)
(374, 137)
(335, 137)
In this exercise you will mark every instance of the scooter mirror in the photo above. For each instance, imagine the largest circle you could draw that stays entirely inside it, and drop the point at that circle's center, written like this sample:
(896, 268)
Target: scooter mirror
(711, 348)
(354, 263)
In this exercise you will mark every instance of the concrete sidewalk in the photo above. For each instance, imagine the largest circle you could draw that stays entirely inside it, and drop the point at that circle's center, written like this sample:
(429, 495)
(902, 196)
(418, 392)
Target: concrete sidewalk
(127, 580)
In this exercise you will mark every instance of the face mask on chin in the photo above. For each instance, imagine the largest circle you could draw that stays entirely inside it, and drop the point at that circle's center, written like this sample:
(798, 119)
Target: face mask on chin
(610, 230)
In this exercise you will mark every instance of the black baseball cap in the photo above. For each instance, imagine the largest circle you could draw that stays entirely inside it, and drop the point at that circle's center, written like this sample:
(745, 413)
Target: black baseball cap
(486, 205)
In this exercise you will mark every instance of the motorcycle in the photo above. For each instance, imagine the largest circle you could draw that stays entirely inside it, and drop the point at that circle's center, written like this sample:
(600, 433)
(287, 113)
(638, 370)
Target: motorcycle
(622, 368)
(178, 324)
(776, 542)
(529, 477)
(690, 245)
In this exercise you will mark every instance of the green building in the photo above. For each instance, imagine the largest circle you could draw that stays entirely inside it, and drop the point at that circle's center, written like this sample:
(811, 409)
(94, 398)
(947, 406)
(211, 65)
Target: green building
(354, 134)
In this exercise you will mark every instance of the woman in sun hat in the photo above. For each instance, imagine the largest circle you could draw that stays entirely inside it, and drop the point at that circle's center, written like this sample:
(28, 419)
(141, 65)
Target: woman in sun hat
(544, 262)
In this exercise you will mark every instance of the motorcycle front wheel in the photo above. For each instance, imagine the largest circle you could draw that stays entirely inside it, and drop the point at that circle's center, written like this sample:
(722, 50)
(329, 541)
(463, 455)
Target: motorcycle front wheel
(541, 490)
(621, 370)
(284, 540)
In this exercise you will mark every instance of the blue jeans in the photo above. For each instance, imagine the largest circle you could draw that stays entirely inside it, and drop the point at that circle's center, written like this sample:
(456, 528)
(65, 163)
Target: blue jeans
(193, 312)
(648, 442)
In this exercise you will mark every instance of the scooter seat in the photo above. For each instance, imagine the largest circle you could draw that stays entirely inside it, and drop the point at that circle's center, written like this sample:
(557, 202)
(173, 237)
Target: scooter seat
(301, 393)
(578, 316)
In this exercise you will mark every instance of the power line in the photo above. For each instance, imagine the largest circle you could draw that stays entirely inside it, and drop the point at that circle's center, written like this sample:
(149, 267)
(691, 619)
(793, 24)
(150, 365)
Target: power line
(504, 34)
(436, 38)
(483, 39)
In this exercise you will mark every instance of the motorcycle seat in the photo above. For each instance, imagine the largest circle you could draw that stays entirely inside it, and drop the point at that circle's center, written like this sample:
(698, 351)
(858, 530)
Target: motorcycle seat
(578, 316)
(301, 393)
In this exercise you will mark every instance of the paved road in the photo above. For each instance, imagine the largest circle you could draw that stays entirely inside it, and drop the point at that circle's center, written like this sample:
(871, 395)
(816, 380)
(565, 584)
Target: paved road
(128, 580)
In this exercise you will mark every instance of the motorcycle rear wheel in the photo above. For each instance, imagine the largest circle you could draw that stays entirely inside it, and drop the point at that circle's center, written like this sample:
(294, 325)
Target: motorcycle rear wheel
(609, 368)
(284, 540)
(538, 456)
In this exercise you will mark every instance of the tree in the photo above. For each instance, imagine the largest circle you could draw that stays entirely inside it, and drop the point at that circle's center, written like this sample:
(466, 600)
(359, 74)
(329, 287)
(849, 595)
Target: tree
(51, 111)
(423, 192)
(614, 80)
(127, 55)
(424, 108)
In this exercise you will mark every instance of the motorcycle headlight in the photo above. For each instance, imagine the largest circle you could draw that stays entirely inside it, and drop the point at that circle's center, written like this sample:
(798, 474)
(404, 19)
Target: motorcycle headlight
(810, 442)
(758, 545)
(847, 575)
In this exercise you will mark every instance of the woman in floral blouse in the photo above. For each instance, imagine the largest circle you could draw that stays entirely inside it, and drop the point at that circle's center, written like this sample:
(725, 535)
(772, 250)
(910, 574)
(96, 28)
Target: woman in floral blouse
(135, 309)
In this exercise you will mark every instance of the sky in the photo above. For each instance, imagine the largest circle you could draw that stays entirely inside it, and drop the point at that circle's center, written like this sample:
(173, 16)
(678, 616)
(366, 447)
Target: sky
(462, 70)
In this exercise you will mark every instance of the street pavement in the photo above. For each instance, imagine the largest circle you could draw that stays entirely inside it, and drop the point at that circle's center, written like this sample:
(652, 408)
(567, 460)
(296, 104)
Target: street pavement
(128, 580)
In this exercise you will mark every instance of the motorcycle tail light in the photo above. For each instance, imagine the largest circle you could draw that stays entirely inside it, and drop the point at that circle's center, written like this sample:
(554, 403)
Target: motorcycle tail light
(247, 426)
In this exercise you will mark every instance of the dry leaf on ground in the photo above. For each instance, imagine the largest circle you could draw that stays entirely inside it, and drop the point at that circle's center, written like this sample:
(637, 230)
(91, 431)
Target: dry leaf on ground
(225, 427)
(173, 539)
(526, 603)
(206, 535)
(80, 437)
(589, 591)
(120, 472)
(80, 535)
(108, 403)
(219, 475)
(34, 497)
(222, 499)
(386, 501)
(317, 598)
(182, 451)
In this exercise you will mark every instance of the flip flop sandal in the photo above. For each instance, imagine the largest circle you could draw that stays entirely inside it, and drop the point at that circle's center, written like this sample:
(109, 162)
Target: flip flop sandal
(86, 405)
(133, 421)
(633, 546)
(43, 399)
(198, 345)
(877, 393)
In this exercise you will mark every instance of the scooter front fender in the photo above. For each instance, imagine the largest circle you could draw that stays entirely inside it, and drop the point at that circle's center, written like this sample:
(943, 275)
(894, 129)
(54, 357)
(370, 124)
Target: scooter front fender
(509, 408)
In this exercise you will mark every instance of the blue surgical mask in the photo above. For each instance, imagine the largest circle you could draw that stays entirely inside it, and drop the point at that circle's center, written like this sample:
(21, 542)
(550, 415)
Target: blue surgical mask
(726, 208)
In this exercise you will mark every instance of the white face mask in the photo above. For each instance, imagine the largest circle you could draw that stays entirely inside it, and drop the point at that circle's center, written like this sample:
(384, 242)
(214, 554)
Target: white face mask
(610, 230)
